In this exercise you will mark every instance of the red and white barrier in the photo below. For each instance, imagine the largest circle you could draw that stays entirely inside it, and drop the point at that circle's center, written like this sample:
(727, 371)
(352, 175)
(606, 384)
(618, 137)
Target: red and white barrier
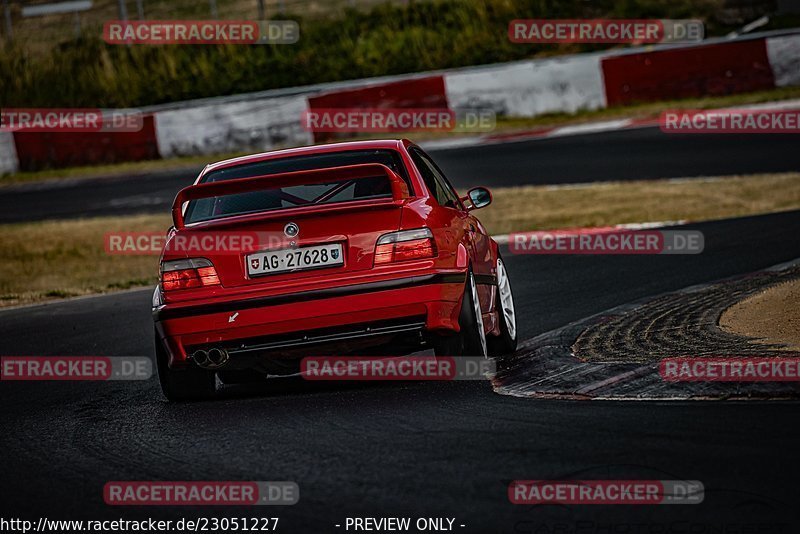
(529, 88)
(218, 128)
(38, 150)
(784, 59)
(9, 163)
(415, 92)
(686, 72)
(520, 89)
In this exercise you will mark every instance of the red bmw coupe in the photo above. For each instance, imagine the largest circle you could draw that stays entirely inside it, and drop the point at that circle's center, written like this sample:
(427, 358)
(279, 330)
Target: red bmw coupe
(366, 249)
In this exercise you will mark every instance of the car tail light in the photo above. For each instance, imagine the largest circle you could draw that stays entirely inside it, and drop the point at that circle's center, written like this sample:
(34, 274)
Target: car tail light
(405, 246)
(188, 274)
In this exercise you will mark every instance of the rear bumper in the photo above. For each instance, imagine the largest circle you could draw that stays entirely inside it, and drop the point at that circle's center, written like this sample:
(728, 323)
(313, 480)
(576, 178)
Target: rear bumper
(433, 298)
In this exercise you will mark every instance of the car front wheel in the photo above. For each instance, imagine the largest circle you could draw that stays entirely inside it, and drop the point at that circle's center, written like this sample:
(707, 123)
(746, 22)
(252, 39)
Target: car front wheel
(506, 342)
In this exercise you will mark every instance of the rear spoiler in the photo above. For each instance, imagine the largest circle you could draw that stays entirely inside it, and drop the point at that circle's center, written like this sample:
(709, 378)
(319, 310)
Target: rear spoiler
(286, 179)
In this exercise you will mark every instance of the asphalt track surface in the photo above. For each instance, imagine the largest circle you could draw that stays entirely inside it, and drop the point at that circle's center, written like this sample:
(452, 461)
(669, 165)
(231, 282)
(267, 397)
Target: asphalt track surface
(445, 449)
(643, 153)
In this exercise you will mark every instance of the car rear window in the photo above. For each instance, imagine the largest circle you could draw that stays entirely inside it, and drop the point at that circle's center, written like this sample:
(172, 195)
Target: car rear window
(285, 197)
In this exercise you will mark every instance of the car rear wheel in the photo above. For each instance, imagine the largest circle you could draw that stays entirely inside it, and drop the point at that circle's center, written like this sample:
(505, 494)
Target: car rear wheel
(471, 339)
(506, 342)
(186, 384)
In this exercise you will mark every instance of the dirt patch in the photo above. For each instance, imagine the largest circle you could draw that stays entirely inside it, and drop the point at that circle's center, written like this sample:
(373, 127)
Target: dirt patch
(771, 315)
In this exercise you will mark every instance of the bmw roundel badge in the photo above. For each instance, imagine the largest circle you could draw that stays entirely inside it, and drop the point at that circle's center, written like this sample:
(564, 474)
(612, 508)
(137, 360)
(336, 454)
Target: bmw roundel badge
(291, 230)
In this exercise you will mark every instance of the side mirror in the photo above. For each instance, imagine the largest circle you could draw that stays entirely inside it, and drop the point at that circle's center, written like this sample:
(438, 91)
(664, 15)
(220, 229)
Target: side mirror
(479, 197)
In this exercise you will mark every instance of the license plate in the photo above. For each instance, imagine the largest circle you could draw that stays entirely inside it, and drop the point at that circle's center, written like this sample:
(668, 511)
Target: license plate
(294, 259)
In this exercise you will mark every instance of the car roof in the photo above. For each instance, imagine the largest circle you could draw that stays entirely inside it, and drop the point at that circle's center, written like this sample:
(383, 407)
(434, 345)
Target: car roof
(378, 144)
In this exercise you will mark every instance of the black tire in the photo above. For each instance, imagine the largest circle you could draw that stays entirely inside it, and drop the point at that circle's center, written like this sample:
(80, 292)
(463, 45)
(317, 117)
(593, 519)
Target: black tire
(191, 383)
(470, 340)
(506, 342)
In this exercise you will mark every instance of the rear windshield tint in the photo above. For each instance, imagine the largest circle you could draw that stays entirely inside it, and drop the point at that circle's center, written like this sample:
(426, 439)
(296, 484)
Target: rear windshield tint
(286, 197)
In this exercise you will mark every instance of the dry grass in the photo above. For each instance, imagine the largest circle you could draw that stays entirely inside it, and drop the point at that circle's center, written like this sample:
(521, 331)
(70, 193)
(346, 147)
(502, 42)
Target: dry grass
(57, 259)
(537, 207)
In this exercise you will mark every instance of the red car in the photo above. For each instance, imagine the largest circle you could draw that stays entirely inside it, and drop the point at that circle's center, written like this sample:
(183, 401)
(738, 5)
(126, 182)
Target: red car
(377, 255)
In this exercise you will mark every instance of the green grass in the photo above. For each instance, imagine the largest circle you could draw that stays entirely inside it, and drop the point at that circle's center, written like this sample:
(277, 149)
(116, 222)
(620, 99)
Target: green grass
(388, 39)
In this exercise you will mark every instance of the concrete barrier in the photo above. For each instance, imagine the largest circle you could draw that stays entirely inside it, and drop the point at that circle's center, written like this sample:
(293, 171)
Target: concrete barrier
(9, 163)
(784, 58)
(530, 88)
(249, 126)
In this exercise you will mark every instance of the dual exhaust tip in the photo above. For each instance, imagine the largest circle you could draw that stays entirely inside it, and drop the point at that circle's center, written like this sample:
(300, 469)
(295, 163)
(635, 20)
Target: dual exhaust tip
(211, 359)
